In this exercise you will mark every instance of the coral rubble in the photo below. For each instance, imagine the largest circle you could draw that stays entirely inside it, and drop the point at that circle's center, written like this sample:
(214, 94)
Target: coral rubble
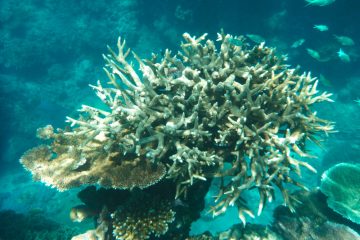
(214, 110)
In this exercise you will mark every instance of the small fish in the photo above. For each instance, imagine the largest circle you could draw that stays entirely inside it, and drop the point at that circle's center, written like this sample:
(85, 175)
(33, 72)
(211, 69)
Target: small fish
(81, 212)
(178, 202)
(255, 38)
(321, 27)
(324, 81)
(320, 3)
(344, 40)
(313, 54)
(316, 55)
(235, 41)
(343, 56)
(298, 43)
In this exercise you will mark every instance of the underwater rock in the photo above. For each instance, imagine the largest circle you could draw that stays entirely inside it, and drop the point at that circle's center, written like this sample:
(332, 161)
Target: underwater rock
(304, 228)
(250, 232)
(204, 236)
(239, 231)
(330, 230)
(311, 217)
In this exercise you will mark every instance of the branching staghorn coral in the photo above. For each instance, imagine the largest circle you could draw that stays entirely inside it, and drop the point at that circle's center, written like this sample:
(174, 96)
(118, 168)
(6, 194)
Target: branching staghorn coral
(234, 112)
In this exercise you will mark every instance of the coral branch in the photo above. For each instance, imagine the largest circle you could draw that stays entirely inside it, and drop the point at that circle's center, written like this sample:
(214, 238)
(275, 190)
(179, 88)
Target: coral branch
(229, 111)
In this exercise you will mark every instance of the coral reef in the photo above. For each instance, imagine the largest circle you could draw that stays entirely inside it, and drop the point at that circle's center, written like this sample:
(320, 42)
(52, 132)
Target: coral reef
(32, 226)
(341, 183)
(238, 231)
(251, 232)
(304, 228)
(142, 218)
(71, 172)
(204, 236)
(21, 51)
(232, 111)
(102, 230)
(312, 219)
(148, 214)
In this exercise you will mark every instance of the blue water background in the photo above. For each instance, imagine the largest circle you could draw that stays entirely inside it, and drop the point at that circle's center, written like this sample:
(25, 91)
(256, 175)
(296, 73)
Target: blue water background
(51, 50)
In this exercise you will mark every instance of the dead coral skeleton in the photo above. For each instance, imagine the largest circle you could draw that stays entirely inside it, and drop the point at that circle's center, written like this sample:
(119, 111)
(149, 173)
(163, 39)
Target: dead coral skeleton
(184, 117)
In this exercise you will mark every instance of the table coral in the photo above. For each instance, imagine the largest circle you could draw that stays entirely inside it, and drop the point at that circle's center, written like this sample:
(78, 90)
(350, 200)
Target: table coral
(214, 110)
(341, 184)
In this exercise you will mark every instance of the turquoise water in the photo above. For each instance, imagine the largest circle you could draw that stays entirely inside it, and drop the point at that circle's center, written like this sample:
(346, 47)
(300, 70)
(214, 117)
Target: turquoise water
(51, 51)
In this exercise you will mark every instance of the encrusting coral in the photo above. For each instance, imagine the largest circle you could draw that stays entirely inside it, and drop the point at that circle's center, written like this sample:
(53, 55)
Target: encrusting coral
(233, 111)
(141, 218)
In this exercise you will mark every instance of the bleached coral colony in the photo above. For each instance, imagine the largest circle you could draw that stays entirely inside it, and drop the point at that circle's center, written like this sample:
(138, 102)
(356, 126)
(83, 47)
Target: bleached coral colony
(214, 110)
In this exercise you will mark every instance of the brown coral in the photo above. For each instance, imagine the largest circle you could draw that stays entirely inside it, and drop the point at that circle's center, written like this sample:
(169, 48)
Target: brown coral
(63, 170)
(141, 218)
